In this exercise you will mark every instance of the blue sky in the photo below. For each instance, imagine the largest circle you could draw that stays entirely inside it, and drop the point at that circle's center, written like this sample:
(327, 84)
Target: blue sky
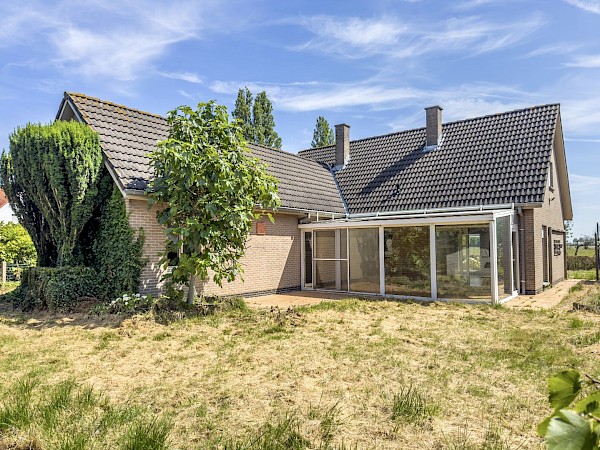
(374, 65)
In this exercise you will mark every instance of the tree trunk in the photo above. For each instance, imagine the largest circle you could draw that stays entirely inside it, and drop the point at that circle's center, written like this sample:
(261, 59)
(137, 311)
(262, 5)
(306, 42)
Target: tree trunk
(191, 290)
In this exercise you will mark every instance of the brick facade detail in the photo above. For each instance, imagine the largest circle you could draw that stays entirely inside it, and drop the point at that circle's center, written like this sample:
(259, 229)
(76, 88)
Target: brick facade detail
(548, 217)
(271, 264)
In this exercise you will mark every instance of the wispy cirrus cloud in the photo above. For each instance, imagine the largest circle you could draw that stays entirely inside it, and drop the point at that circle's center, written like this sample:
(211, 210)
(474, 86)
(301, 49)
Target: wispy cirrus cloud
(592, 6)
(121, 42)
(584, 183)
(585, 61)
(190, 77)
(393, 37)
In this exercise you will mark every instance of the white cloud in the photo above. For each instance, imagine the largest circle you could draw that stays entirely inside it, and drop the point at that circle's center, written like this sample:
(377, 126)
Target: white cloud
(584, 183)
(553, 49)
(115, 39)
(585, 61)
(390, 36)
(592, 6)
(190, 77)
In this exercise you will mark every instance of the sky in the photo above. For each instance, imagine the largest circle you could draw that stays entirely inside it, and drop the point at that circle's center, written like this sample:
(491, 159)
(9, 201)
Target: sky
(374, 65)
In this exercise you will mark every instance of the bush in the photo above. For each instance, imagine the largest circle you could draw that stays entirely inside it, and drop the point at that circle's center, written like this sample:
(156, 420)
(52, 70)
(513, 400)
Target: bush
(581, 263)
(126, 304)
(16, 245)
(55, 287)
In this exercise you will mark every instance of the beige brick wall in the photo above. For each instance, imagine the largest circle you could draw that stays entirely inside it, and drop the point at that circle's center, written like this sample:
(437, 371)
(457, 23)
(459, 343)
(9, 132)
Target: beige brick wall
(549, 215)
(272, 261)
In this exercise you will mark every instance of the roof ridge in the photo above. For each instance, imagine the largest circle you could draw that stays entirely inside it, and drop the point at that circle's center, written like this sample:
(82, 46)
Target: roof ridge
(106, 102)
(444, 123)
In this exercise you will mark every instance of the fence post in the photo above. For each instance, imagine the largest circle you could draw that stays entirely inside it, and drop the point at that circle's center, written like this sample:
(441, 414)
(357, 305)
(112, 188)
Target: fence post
(596, 252)
(3, 272)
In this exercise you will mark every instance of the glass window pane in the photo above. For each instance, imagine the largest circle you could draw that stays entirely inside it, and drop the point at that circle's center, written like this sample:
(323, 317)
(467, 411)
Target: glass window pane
(407, 261)
(325, 243)
(364, 260)
(503, 253)
(463, 265)
(308, 258)
(331, 275)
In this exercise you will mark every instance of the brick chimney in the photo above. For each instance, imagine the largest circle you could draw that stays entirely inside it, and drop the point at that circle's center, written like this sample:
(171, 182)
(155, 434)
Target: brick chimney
(342, 144)
(433, 116)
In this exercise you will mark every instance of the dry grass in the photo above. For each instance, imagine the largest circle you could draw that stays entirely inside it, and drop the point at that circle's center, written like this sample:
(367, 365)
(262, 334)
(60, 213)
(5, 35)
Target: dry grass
(337, 372)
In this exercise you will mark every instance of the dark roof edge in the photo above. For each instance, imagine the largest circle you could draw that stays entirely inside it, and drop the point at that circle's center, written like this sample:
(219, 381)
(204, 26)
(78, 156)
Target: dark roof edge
(106, 102)
(445, 123)
(67, 100)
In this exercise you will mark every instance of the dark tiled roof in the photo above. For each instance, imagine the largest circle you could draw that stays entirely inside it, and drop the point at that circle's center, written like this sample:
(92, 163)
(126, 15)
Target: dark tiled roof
(128, 136)
(491, 160)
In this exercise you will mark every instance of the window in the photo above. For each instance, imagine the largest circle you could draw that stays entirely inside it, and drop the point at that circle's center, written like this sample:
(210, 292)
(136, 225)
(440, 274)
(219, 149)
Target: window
(330, 259)
(504, 256)
(407, 261)
(551, 175)
(463, 265)
(364, 260)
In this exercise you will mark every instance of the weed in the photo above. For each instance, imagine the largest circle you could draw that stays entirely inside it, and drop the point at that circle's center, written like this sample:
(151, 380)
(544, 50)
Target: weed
(282, 433)
(585, 340)
(410, 405)
(147, 435)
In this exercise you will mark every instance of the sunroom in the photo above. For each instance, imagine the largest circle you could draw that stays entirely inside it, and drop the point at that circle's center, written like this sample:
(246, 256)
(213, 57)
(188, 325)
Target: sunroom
(467, 255)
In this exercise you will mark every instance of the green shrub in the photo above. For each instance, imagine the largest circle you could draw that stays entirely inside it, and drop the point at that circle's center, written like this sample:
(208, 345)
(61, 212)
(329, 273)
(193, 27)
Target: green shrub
(55, 287)
(581, 263)
(126, 304)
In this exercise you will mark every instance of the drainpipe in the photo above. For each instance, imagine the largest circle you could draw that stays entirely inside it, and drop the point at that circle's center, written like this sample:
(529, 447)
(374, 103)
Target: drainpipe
(522, 247)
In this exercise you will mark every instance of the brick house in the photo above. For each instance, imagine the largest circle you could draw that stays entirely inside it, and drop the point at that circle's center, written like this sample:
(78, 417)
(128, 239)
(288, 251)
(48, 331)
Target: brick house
(470, 210)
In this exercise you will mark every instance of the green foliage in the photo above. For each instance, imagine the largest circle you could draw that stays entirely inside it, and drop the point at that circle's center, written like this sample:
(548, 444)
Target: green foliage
(410, 405)
(210, 186)
(581, 262)
(55, 287)
(243, 113)
(323, 134)
(117, 253)
(16, 245)
(65, 198)
(70, 416)
(577, 428)
(256, 118)
(50, 177)
(126, 304)
(264, 122)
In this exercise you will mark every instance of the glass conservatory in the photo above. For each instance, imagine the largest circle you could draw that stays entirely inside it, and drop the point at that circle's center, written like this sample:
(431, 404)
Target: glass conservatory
(454, 256)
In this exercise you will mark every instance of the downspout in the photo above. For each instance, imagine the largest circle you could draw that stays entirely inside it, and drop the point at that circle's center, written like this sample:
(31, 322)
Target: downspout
(522, 248)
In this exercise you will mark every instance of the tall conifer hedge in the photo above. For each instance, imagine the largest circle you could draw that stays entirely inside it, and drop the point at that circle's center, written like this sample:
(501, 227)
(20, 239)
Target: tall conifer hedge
(56, 182)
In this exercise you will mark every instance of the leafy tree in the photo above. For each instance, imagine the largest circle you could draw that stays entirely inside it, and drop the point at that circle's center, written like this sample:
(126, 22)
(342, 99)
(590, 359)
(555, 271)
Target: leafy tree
(50, 177)
(16, 245)
(210, 187)
(264, 122)
(243, 113)
(323, 134)
(256, 117)
(575, 427)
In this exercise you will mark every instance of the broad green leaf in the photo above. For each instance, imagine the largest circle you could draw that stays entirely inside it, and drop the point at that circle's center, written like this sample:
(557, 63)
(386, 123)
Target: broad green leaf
(569, 431)
(589, 404)
(563, 388)
(542, 428)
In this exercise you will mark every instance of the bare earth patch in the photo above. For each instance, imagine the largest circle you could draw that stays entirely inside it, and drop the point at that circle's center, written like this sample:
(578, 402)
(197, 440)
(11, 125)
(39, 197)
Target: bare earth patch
(370, 374)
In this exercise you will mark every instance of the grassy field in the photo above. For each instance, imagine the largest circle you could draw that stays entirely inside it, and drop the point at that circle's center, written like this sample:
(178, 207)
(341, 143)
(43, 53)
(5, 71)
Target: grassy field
(343, 374)
(582, 251)
(589, 275)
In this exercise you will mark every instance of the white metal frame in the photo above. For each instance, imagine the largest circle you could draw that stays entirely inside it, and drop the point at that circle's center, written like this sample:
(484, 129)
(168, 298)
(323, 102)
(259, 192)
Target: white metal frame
(484, 217)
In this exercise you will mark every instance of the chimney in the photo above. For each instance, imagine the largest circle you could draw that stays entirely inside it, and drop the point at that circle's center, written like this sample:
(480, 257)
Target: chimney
(342, 144)
(433, 116)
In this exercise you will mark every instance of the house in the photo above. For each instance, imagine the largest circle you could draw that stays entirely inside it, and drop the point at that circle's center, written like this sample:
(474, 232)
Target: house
(470, 210)
(6, 212)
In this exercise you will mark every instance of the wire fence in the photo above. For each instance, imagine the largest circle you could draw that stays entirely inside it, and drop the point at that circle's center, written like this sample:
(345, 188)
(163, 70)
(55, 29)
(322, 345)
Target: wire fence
(13, 271)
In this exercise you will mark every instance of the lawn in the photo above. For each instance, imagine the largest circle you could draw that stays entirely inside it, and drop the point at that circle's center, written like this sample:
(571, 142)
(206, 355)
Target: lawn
(343, 374)
(582, 251)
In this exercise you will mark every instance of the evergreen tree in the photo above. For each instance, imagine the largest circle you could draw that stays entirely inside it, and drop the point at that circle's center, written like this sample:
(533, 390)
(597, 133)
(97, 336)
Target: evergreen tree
(323, 134)
(243, 113)
(264, 122)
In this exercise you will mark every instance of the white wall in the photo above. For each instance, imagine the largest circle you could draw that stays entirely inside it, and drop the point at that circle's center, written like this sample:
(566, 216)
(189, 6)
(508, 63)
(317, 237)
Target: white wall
(7, 214)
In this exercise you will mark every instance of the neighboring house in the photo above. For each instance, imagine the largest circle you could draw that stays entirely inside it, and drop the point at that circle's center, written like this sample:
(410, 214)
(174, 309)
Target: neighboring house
(6, 212)
(473, 209)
